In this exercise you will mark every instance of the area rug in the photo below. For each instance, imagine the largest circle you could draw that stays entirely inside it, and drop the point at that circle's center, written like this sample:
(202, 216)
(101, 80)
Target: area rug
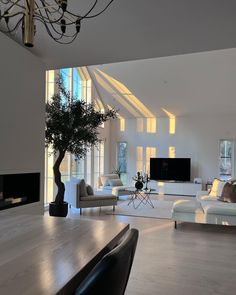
(162, 209)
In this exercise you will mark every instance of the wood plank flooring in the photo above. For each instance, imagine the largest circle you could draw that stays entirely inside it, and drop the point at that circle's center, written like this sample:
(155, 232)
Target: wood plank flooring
(194, 259)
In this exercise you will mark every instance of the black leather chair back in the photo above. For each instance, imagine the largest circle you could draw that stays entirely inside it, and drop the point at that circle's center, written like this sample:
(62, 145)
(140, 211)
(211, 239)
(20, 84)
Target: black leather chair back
(110, 276)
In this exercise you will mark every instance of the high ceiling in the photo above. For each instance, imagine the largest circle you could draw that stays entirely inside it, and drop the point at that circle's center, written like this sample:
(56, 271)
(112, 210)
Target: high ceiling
(198, 84)
(139, 29)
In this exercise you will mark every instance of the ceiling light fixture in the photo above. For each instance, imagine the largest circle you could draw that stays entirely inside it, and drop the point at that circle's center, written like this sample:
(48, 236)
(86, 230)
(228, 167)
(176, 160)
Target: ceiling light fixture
(61, 24)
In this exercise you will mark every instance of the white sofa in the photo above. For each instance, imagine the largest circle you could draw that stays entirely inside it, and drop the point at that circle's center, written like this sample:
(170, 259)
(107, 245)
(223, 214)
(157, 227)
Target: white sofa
(204, 209)
(116, 190)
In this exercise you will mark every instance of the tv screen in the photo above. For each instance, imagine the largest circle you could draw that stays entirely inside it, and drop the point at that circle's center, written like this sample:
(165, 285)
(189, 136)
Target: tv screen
(171, 169)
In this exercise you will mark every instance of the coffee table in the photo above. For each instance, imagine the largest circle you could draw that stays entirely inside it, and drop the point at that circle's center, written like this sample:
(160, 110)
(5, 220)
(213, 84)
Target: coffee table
(139, 197)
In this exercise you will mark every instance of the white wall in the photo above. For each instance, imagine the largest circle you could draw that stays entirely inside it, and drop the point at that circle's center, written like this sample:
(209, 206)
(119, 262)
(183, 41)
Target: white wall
(196, 138)
(22, 82)
(199, 89)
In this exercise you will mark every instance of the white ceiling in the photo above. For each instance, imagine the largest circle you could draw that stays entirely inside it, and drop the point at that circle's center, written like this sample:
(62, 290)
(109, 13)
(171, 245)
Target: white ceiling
(139, 29)
(197, 84)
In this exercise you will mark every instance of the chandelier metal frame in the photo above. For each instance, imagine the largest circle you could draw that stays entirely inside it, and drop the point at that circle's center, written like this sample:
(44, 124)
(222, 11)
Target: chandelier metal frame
(61, 24)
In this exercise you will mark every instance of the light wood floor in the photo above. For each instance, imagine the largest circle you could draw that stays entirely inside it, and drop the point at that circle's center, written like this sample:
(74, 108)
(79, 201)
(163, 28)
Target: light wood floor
(194, 259)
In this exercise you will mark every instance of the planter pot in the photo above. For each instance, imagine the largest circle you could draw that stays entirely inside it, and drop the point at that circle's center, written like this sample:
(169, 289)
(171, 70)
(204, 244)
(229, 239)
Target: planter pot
(138, 185)
(59, 210)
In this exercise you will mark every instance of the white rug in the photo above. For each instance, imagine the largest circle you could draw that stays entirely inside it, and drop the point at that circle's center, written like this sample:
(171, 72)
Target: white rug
(162, 209)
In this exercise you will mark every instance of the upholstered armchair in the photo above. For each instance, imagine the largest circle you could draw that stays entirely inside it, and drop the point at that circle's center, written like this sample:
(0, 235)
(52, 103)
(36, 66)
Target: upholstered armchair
(80, 195)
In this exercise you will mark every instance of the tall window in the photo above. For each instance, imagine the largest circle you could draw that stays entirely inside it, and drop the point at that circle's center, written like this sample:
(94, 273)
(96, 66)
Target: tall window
(80, 87)
(226, 159)
(98, 162)
(139, 159)
(122, 160)
(150, 153)
(151, 125)
(77, 84)
(77, 167)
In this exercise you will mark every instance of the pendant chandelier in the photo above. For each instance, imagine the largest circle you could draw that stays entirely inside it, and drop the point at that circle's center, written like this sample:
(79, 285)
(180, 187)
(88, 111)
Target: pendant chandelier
(61, 24)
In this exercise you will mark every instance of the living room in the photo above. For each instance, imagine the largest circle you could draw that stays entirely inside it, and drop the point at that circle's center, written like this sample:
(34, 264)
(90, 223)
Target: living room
(190, 95)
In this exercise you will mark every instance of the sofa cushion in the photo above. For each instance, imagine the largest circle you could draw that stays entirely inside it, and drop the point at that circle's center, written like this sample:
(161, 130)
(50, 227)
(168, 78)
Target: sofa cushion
(219, 208)
(115, 182)
(99, 197)
(187, 206)
(117, 189)
(105, 178)
(229, 193)
(89, 190)
(217, 188)
(82, 189)
(107, 188)
(207, 198)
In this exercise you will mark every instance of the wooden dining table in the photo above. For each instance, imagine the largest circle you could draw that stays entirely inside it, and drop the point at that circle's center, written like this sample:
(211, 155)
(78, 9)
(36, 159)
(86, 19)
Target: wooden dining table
(51, 255)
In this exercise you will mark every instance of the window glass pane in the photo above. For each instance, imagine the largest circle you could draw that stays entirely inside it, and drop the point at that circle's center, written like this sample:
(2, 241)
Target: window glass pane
(77, 167)
(226, 159)
(226, 148)
(77, 85)
(88, 167)
(66, 75)
(64, 168)
(225, 166)
(122, 157)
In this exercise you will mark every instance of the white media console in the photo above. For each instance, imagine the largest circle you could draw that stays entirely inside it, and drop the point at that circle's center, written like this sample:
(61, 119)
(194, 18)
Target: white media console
(176, 188)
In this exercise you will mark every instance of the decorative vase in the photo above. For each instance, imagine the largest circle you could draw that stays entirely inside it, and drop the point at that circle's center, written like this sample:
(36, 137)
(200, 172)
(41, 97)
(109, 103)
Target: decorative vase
(138, 185)
(58, 210)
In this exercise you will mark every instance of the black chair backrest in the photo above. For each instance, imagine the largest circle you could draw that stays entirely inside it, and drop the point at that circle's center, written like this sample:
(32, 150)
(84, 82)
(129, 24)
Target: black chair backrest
(110, 276)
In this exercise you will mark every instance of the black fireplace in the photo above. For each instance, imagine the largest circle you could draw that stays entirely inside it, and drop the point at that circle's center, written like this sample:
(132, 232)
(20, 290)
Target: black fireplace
(19, 189)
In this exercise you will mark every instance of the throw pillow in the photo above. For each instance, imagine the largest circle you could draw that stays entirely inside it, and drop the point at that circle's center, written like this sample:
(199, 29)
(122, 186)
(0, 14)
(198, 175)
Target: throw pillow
(105, 178)
(82, 189)
(217, 188)
(115, 182)
(89, 190)
(229, 193)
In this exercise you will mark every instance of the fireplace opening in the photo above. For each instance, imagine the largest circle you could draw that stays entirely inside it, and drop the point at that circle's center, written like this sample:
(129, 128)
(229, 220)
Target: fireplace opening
(19, 189)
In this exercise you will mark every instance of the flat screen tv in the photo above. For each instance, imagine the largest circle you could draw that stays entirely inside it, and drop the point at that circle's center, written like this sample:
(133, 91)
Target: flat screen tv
(170, 169)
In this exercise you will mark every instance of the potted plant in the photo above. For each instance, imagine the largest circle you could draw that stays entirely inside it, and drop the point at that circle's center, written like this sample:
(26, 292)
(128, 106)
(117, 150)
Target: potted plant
(71, 126)
(117, 171)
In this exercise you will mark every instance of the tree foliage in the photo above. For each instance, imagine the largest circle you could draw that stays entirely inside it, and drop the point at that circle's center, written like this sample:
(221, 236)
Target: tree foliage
(71, 126)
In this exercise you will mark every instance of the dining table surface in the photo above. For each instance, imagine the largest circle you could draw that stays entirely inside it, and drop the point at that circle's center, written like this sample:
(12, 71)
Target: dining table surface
(51, 255)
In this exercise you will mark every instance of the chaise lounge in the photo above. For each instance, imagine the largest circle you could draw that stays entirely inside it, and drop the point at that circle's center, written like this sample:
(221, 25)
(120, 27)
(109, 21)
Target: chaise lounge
(79, 195)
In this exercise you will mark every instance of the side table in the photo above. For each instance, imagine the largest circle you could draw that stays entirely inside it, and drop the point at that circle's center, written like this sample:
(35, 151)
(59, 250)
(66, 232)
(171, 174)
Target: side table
(139, 197)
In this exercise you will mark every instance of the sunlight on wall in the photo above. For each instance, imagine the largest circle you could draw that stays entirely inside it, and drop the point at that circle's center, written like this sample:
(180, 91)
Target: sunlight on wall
(122, 122)
(139, 158)
(50, 85)
(121, 119)
(151, 125)
(139, 125)
(171, 152)
(122, 90)
(88, 88)
(84, 74)
(118, 97)
(172, 121)
(150, 153)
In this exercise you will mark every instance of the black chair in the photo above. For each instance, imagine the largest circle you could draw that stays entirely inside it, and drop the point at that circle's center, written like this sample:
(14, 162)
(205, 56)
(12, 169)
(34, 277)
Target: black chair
(110, 276)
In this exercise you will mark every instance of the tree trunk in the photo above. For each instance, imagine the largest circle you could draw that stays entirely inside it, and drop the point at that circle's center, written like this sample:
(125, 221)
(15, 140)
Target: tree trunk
(57, 177)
